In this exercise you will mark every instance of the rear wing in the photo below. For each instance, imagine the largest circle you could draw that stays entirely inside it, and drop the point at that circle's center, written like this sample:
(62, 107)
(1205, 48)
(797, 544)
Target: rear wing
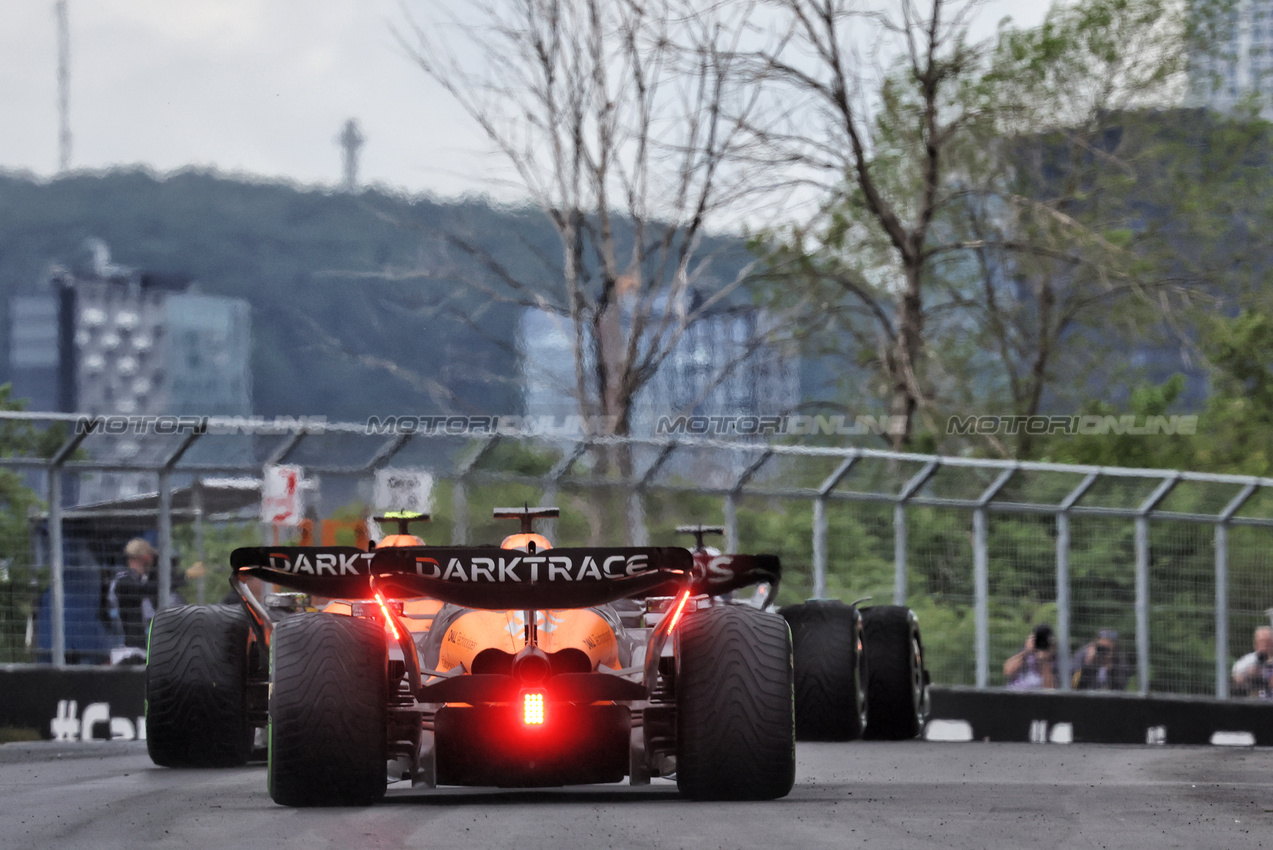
(502, 579)
(508, 578)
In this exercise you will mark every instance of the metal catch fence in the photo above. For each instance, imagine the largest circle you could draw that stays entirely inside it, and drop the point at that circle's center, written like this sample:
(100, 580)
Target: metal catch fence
(1179, 564)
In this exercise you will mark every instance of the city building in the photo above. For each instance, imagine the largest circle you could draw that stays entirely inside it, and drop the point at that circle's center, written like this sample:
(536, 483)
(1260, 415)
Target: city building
(1238, 68)
(101, 338)
(723, 364)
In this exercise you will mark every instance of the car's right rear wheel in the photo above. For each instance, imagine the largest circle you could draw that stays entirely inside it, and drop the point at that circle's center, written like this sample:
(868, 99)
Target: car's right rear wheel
(897, 688)
(328, 711)
(826, 637)
(735, 716)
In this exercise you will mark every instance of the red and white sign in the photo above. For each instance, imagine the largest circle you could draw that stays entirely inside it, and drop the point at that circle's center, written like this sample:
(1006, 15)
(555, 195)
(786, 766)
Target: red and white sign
(281, 502)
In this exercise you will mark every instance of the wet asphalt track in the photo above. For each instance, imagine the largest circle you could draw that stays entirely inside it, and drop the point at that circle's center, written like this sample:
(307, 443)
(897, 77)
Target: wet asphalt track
(915, 794)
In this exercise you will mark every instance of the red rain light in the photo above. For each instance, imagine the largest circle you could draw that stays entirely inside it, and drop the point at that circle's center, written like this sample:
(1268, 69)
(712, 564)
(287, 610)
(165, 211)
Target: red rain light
(533, 708)
(384, 608)
(678, 610)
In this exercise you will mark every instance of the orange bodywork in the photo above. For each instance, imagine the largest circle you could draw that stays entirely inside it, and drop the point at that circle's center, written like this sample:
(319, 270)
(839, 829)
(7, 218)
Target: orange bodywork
(523, 541)
(577, 628)
(475, 631)
(393, 540)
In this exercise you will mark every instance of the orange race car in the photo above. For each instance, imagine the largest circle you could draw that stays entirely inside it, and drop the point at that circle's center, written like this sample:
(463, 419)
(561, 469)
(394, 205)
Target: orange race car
(540, 666)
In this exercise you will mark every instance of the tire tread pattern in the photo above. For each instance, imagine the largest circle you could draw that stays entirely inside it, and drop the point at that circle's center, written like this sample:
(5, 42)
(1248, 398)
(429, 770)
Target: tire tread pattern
(735, 705)
(328, 707)
(196, 687)
(824, 637)
(893, 706)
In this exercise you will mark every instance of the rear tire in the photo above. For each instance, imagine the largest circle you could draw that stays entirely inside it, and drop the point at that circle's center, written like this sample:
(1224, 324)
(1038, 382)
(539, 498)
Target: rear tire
(826, 639)
(735, 719)
(196, 687)
(897, 687)
(328, 711)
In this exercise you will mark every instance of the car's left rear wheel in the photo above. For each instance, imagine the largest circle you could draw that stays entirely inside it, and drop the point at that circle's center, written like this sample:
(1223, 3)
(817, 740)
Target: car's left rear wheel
(196, 687)
(328, 710)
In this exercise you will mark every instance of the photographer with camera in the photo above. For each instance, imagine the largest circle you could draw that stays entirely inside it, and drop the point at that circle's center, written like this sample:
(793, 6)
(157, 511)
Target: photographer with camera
(1100, 666)
(1253, 672)
(1034, 666)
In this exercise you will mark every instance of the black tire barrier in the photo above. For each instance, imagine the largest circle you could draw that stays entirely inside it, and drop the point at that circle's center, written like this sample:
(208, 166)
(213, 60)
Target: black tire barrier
(735, 717)
(831, 702)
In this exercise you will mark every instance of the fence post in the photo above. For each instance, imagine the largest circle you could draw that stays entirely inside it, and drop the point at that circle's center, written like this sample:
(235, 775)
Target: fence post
(1063, 599)
(165, 518)
(165, 539)
(1222, 585)
(57, 585)
(460, 493)
(899, 553)
(57, 561)
(820, 525)
(638, 535)
(731, 503)
(1142, 581)
(981, 595)
(899, 527)
(196, 505)
(1142, 604)
(459, 513)
(731, 523)
(981, 574)
(1222, 610)
(820, 547)
(1063, 578)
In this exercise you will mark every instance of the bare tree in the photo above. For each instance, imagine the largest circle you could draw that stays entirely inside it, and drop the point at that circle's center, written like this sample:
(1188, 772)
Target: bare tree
(826, 64)
(621, 121)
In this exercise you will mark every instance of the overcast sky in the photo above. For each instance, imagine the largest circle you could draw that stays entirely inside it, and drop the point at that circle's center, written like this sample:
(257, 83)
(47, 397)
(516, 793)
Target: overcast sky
(249, 87)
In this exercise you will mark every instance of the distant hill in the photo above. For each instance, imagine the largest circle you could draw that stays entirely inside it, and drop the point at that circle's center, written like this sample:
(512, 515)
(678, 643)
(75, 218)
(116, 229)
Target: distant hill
(331, 334)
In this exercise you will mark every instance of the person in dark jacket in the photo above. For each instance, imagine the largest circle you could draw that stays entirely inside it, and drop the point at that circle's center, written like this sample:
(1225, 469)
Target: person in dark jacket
(1100, 665)
(134, 593)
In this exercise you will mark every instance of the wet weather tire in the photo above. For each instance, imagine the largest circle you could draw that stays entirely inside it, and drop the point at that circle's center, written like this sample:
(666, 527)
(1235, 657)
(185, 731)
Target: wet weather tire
(735, 719)
(897, 683)
(826, 635)
(328, 708)
(196, 687)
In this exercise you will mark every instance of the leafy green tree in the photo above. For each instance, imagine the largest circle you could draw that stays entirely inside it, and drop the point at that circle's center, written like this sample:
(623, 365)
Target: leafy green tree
(995, 230)
(19, 577)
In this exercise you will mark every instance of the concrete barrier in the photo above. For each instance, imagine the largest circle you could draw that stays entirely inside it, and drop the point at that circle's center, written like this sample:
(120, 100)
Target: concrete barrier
(1097, 718)
(101, 703)
(75, 703)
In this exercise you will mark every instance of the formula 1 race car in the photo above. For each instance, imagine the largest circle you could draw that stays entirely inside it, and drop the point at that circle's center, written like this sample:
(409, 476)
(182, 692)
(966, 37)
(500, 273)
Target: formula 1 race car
(540, 667)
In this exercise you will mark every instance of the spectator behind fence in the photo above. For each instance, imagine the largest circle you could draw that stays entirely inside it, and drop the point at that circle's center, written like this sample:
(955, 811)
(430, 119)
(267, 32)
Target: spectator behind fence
(1100, 665)
(1034, 666)
(133, 593)
(1253, 672)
